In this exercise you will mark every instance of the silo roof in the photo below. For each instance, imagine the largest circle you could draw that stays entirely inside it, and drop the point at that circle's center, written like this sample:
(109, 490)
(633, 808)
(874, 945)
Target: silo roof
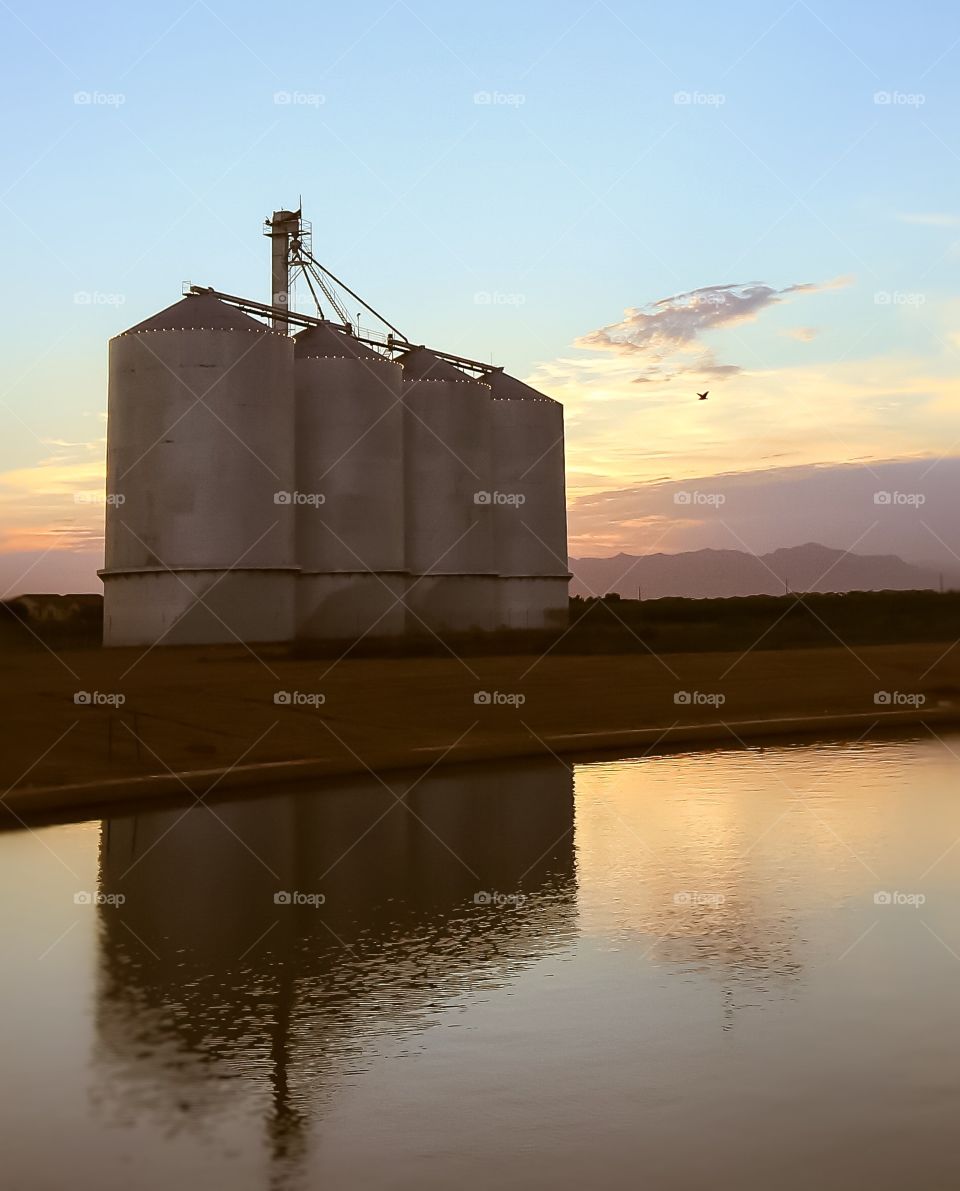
(507, 388)
(325, 340)
(421, 364)
(198, 312)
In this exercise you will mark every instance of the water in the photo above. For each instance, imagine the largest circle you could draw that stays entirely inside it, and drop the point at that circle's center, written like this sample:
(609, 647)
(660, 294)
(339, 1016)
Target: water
(673, 972)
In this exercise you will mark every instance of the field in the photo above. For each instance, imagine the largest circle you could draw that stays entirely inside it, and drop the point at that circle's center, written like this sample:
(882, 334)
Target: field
(75, 714)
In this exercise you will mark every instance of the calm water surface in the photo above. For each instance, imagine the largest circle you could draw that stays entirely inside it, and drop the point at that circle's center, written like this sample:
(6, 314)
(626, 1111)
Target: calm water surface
(724, 969)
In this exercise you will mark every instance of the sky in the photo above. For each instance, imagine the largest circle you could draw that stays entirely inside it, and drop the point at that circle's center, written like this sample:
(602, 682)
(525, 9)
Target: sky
(624, 205)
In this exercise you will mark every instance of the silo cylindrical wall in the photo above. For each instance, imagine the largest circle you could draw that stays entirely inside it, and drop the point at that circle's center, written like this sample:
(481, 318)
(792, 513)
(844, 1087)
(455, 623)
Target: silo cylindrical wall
(449, 521)
(350, 506)
(529, 507)
(199, 544)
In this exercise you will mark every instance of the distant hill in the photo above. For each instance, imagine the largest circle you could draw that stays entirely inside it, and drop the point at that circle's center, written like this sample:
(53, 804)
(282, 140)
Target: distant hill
(704, 574)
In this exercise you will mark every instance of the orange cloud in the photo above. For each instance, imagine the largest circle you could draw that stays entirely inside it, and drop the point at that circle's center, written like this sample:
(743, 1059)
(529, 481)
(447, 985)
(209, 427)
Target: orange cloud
(56, 502)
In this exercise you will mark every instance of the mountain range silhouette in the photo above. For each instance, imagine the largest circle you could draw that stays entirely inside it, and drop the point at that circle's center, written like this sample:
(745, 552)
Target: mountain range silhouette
(704, 574)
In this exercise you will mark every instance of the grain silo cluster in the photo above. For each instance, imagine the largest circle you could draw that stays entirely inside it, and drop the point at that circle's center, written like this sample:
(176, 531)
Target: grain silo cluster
(324, 484)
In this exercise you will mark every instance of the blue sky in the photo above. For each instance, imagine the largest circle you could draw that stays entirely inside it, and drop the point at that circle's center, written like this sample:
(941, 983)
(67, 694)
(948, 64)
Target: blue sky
(585, 185)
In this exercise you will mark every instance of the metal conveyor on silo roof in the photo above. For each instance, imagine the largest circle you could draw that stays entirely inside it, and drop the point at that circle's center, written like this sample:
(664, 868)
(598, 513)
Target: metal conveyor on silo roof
(390, 343)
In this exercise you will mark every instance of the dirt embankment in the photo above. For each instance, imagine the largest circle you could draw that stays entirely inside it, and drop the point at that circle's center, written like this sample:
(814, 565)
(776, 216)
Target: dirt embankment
(85, 727)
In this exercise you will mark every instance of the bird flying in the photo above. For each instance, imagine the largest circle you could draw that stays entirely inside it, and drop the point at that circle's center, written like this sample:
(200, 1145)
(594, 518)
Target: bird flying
(703, 395)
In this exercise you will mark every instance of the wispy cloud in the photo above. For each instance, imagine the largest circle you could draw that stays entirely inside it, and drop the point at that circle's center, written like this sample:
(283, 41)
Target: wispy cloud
(665, 337)
(930, 219)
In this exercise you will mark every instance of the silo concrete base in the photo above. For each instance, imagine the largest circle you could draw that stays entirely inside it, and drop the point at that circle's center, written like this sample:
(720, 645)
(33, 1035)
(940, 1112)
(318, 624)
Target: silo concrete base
(197, 607)
(533, 601)
(452, 603)
(348, 605)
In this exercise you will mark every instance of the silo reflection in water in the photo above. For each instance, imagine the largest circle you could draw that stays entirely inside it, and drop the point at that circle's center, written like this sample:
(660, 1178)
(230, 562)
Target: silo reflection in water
(718, 991)
(270, 941)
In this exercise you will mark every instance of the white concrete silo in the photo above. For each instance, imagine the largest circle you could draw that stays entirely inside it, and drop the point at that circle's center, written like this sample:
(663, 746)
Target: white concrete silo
(350, 477)
(529, 505)
(449, 475)
(199, 545)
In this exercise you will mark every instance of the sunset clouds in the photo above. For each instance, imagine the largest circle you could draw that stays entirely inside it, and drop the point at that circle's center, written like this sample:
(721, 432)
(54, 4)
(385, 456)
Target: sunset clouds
(799, 437)
(844, 506)
(57, 501)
